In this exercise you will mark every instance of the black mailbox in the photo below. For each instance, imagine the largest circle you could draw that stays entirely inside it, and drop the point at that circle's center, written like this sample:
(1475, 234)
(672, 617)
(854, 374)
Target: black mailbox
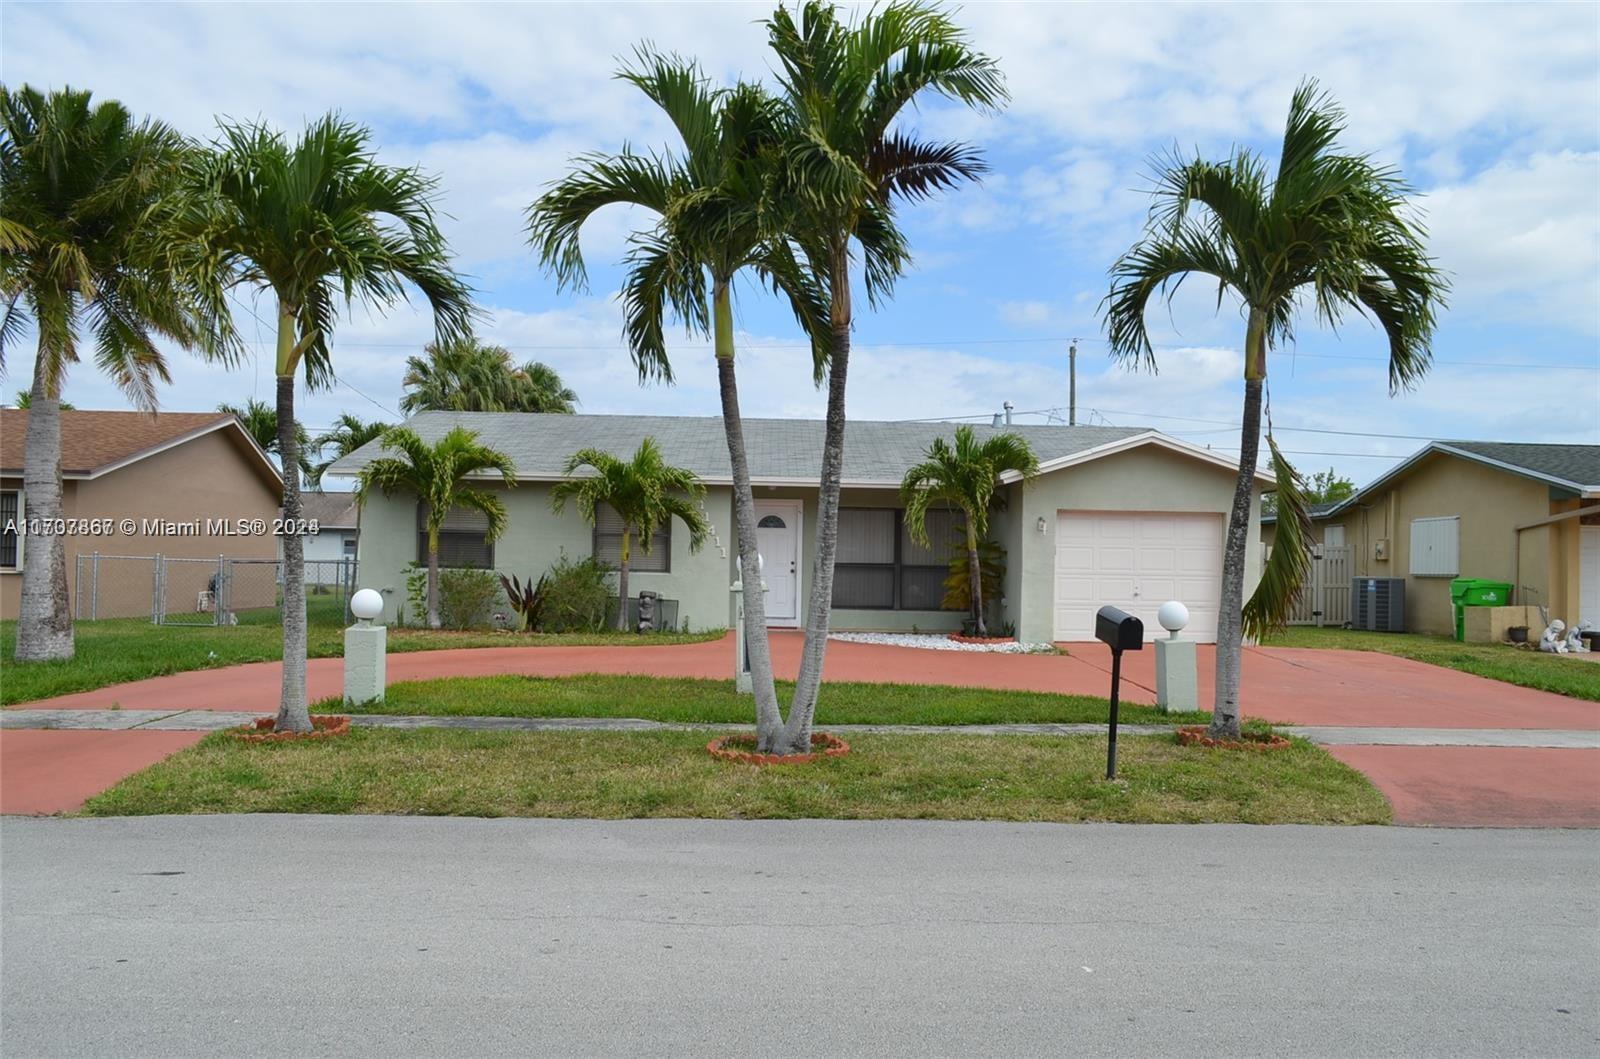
(1119, 629)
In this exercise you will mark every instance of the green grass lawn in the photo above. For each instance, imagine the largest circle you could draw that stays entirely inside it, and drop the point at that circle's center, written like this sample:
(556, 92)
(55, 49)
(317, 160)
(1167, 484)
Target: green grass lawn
(1528, 669)
(115, 650)
(669, 774)
(687, 700)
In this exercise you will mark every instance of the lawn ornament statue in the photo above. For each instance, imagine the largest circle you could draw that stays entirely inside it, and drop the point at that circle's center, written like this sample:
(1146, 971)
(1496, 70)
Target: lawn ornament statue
(1552, 640)
(1576, 644)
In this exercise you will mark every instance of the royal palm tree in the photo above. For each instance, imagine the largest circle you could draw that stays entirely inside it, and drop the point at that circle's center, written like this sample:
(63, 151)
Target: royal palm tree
(646, 493)
(318, 223)
(1330, 229)
(469, 376)
(260, 420)
(348, 434)
(715, 216)
(439, 476)
(847, 164)
(77, 179)
(965, 477)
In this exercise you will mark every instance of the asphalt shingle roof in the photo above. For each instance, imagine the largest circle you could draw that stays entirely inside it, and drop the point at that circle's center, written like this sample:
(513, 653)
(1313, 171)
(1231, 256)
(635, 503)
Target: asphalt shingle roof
(1578, 464)
(779, 449)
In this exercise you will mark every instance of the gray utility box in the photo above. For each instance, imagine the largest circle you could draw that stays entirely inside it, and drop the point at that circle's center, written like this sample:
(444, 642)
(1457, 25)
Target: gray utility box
(1378, 604)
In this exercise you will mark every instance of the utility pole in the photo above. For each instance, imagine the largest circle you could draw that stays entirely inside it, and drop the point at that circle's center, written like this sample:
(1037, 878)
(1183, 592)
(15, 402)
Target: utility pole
(1072, 384)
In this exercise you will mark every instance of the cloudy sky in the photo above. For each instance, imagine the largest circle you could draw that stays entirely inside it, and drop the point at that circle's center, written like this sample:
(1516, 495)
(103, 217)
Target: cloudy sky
(1492, 113)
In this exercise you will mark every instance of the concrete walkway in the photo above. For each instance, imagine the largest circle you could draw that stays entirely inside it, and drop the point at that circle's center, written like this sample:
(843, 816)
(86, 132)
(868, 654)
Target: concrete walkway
(217, 720)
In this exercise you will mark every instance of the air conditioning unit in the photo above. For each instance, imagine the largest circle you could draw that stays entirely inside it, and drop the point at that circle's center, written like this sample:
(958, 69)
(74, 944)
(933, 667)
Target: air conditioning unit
(1378, 604)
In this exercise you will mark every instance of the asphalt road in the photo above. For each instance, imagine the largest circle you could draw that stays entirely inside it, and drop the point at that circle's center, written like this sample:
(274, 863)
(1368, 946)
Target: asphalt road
(306, 936)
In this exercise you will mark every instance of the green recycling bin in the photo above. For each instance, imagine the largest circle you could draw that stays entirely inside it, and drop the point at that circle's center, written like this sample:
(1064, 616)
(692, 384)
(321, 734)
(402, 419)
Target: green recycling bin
(1476, 592)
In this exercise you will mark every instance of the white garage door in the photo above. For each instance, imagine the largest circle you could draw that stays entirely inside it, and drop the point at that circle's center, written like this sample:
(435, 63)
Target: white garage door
(1589, 574)
(1137, 562)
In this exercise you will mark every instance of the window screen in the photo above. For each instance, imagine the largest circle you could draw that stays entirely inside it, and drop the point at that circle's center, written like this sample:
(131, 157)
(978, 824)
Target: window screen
(608, 544)
(923, 570)
(864, 566)
(10, 508)
(462, 539)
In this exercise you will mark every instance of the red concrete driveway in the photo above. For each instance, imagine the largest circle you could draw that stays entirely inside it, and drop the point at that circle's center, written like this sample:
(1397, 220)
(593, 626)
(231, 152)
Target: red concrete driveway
(1287, 685)
(57, 771)
(1480, 786)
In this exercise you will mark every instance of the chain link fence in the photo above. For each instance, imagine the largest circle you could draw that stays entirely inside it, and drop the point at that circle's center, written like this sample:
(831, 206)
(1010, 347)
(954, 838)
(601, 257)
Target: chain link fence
(169, 590)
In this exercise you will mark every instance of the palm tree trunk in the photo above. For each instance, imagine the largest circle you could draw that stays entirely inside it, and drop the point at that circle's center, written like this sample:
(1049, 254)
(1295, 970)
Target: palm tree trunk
(293, 715)
(434, 619)
(44, 626)
(622, 583)
(797, 733)
(769, 719)
(1230, 622)
(975, 580)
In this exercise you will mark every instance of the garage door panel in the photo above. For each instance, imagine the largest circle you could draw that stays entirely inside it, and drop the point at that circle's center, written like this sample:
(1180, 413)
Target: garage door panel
(1137, 562)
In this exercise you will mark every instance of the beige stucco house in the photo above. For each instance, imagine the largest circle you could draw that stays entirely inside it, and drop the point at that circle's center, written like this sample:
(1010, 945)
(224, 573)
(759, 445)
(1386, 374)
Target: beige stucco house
(1118, 515)
(144, 484)
(1525, 514)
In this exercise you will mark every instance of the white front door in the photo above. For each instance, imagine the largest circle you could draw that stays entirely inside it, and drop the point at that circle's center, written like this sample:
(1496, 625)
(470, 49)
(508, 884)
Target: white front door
(778, 538)
(1589, 575)
(1137, 561)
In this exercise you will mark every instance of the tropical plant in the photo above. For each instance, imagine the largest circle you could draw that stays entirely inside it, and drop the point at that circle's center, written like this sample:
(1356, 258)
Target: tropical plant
(965, 477)
(468, 376)
(847, 162)
(348, 434)
(716, 215)
(574, 595)
(1323, 487)
(77, 179)
(645, 491)
(527, 600)
(438, 475)
(260, 421)
(467, 597)
(25, 398)
(991, 574)
(317, 222)
(1329, 228)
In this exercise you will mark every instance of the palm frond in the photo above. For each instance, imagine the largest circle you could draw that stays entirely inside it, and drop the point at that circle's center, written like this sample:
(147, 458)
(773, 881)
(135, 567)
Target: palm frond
(1286, 569)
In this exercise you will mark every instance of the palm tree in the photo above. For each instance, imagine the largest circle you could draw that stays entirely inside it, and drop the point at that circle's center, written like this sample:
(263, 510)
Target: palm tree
(260, 421)
(349, 433)
(715, 217)
(76, 180)
(469, 376)
(25, 399)
(1330, 227)
(646, 493)
(847, 163)
(316, 222)
(965, 477)
(438, 474)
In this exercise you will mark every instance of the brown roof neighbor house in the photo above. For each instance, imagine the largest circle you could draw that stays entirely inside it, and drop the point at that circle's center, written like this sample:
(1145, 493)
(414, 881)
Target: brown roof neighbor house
(1525, 514)
(135, 484)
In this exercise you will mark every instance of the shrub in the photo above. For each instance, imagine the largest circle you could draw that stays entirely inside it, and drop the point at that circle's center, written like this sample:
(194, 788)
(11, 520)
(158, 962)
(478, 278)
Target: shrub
(574, 596)
(416, 595)
(467, 597)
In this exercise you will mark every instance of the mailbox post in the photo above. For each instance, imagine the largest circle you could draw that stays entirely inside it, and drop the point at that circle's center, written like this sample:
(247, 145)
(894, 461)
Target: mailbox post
(1121, 632)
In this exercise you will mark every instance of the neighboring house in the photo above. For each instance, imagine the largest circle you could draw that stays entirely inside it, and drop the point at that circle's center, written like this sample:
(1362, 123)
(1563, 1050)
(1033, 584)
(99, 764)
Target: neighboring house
(338, 525)
(1118, 515)
(1525, 514)
(173, 474)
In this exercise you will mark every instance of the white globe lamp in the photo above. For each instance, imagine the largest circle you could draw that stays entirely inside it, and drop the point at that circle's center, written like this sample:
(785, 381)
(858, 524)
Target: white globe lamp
(1173, 616)
(366, 604)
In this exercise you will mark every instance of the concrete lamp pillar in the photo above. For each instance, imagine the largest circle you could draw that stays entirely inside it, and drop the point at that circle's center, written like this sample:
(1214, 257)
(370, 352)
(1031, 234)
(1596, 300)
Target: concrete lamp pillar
(365, 648)
(1177, 687)
(741, 657)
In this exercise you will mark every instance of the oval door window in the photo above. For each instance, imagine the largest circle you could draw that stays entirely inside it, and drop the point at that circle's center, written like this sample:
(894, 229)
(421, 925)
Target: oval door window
(771, 522)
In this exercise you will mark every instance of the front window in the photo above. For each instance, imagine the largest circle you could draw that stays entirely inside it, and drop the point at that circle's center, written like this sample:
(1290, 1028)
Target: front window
(879, 567)
(608, 544)
(10, 538)
(463, 539)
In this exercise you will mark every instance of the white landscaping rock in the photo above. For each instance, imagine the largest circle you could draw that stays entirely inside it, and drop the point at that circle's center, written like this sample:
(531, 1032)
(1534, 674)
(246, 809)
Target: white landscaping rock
(940, 642)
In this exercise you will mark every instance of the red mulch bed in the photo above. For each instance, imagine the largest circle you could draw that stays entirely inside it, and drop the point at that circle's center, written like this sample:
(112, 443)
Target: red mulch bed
(959, 638)
(1195, 735)
(725, 749)
(323, 726)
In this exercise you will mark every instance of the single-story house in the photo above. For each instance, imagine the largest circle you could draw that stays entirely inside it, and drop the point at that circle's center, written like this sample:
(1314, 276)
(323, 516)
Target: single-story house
(138, 485)
(338, 525)
(1118, 515)
(1525, 514)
